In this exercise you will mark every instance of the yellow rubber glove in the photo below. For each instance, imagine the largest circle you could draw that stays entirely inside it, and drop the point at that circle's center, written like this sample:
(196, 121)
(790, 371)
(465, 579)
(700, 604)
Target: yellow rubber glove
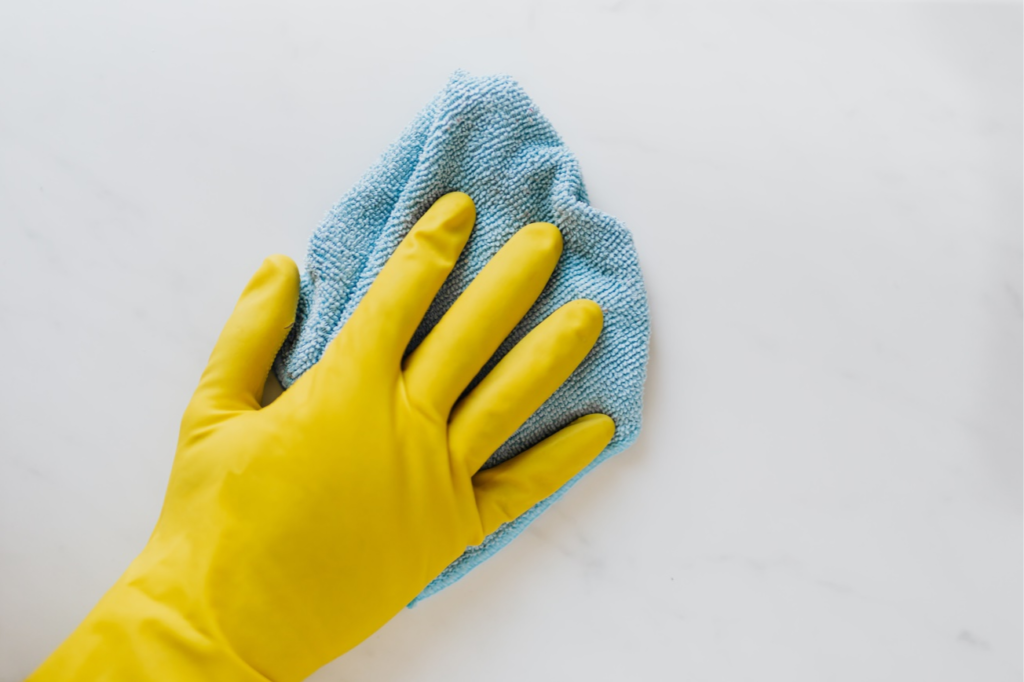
(292, 532)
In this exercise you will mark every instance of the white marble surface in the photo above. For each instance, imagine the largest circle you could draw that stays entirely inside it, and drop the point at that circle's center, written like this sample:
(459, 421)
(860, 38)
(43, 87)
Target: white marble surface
(827, 204)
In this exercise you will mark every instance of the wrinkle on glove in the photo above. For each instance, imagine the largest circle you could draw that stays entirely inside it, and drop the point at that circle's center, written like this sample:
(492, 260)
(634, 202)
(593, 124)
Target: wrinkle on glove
(483, 136)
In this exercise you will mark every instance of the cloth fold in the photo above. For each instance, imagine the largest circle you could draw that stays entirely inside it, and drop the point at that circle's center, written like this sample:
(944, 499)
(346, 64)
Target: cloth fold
(483, 136)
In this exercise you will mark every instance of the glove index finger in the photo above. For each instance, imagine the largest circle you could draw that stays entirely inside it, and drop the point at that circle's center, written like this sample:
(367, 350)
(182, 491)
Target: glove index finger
(385, 320)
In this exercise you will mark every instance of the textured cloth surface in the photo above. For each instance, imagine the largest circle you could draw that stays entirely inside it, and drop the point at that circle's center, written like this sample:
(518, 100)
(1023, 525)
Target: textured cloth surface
(484, 137)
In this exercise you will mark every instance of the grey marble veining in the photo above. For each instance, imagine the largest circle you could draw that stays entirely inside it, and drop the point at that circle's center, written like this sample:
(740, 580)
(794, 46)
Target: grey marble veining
(827, 203)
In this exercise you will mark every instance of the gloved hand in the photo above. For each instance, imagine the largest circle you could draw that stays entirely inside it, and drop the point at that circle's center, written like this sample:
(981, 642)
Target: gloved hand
(291, 532)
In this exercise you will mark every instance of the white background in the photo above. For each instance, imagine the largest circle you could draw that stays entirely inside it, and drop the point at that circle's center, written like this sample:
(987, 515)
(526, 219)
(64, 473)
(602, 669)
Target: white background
(827, 205)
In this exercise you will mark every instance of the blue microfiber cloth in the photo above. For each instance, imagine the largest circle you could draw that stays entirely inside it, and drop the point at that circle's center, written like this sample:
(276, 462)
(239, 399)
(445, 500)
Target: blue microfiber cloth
(484, 137)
